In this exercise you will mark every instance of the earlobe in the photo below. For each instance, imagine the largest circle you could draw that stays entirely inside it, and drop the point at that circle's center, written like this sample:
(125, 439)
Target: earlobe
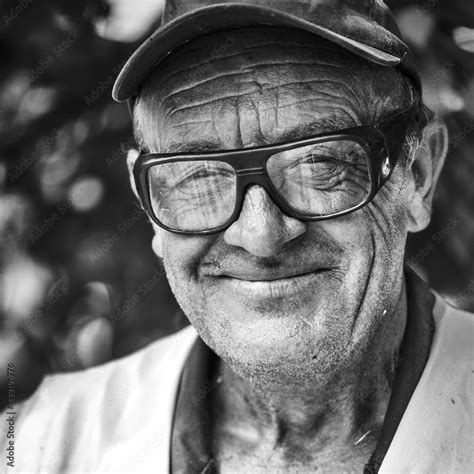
(132, 156)
(424, 173)
(157, 241)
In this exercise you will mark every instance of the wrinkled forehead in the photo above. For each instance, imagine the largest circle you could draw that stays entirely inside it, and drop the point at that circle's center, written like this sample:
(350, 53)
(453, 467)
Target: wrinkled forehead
(255, 86)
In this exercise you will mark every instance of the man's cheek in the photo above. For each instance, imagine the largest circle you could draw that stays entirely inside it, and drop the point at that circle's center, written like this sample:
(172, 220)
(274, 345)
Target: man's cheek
(182, 269)
(385, 216)
(352, 232)
(181, 255)
(388, 208)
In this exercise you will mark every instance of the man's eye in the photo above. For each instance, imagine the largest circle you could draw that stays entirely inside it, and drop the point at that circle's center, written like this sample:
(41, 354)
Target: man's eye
(317, 164)
(318, 160)
(197, 176)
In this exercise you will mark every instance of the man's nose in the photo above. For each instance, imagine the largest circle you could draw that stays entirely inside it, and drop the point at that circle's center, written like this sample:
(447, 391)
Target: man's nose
(262, 228)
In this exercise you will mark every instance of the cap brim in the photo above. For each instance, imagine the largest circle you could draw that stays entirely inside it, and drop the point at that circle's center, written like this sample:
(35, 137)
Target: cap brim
(221, 17)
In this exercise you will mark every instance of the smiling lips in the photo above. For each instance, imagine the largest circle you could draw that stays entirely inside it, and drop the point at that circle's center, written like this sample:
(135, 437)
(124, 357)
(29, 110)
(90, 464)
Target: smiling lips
(274, 285)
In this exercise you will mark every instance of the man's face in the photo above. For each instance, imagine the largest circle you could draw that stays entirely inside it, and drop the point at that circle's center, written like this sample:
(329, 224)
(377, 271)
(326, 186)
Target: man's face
(276, 297)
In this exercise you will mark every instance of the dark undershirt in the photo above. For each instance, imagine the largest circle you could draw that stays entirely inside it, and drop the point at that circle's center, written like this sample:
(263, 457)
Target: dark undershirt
(191, 440)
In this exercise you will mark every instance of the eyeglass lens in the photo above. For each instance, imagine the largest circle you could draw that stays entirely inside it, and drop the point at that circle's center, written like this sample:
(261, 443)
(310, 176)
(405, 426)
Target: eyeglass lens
(315, 180)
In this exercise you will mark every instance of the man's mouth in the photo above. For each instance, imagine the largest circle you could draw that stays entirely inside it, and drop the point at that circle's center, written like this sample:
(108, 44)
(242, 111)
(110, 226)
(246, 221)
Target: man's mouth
(273, 285)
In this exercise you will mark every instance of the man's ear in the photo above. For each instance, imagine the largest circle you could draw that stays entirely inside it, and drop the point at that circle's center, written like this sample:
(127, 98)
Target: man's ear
(156, 243)
(132, 156)
(424, 173)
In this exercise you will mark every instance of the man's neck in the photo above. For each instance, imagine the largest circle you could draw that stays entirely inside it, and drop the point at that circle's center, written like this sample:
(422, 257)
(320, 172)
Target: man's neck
(342, 413)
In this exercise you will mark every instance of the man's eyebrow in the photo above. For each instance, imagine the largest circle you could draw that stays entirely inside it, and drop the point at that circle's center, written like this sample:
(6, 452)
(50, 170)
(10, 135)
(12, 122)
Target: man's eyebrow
(299, 132)
(195, 146)
(307, 130)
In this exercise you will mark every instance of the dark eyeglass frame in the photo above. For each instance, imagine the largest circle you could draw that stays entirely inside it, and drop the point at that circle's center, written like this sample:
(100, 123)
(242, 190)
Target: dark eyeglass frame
(383, 142)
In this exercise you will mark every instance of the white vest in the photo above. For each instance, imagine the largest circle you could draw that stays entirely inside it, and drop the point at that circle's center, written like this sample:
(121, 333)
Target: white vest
(117, 417)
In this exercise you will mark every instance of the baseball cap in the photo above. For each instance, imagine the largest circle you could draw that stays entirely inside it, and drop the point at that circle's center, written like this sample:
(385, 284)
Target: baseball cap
(364, 27)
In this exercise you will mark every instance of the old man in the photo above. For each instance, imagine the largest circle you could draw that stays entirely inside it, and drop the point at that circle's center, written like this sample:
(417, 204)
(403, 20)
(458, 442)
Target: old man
(284, 154)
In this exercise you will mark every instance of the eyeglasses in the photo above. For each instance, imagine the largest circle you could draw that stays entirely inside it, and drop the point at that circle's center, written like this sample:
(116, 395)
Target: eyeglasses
(322, 177)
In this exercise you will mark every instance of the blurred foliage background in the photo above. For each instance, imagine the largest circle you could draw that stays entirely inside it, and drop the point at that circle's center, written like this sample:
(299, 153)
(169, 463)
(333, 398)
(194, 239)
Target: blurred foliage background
(79, 283)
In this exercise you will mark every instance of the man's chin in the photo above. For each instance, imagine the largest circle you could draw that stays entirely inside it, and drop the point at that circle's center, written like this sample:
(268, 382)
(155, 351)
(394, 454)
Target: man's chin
(286, 345)
(282, 361)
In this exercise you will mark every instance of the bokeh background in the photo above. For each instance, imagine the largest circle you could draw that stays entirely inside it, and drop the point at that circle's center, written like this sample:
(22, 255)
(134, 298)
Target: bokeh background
(79, 284)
